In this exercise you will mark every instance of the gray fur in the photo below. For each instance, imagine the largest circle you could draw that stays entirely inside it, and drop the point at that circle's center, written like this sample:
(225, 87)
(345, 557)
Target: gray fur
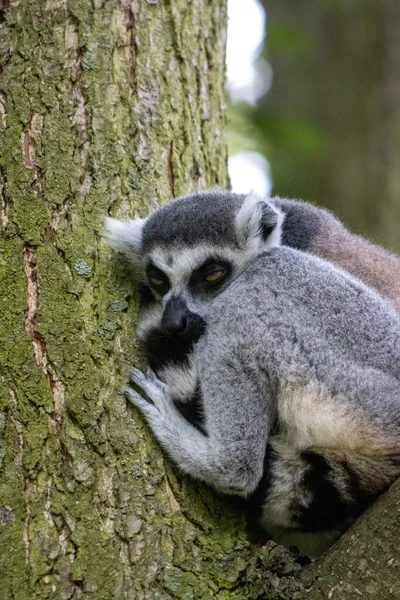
(319, 232)
(186, 221)
(296, 379)
(299, 355)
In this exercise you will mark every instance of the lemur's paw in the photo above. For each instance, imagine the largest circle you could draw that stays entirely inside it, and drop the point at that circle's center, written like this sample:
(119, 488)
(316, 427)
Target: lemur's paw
(146, 407)
(152, 387)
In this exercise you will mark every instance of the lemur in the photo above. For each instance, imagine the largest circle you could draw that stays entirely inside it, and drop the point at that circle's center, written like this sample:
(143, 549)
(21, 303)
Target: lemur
(261, 337)
(210, 220)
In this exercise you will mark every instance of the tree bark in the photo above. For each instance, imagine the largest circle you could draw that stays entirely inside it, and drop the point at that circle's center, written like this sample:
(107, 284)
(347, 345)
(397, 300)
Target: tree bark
(365, 563)
(106, 107)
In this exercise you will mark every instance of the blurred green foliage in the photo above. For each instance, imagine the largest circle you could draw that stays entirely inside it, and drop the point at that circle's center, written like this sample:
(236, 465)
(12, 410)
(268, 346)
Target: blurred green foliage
(330, 124)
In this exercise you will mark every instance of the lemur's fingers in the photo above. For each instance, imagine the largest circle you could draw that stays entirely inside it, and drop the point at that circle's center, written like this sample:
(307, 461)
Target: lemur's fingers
(152, 387)
(151, 375)
(136, 399)
(137, 376)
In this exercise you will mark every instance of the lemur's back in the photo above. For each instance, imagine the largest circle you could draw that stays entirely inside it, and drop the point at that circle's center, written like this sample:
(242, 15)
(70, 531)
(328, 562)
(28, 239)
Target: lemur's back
(289, 294)
(312, 327)
(319, 232)
(330, 349)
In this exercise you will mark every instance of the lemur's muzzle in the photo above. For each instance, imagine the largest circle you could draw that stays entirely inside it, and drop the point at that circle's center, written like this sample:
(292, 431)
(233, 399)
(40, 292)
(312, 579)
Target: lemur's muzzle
(175, 316)
(178, 320)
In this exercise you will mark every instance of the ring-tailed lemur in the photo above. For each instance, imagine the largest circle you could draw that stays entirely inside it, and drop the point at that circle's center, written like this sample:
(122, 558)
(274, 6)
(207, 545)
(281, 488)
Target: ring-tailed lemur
(235, 228)
(263, 343)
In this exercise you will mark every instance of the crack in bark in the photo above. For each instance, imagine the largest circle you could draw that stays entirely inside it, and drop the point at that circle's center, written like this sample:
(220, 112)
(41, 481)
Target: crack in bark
(80, 118)
(3, 113)
(130, 41)
(39, 347)
(80, 123)
(18, 461)
(28, 150)
(33, 304)
(174, 503)
(25, 533)
(65, 542)
(5, 207)
(4, 5)
(191, 518)
(35, 125)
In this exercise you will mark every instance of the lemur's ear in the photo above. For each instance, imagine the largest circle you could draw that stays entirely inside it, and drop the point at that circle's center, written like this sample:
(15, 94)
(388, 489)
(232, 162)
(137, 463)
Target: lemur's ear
(125, 236)
(258, 224)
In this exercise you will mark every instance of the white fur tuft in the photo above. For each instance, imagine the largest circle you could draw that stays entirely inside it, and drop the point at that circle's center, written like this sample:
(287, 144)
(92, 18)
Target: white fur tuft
(275, 239)
(125, 236)
(181, 380)
(248, 225)
(247, 219)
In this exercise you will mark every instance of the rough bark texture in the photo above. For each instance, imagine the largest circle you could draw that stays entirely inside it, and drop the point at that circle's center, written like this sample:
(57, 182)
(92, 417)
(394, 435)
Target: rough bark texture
(106, 107)
(334, 108)
(365, 563)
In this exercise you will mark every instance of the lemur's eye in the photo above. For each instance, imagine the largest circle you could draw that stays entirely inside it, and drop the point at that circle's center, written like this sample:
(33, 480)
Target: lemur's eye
(157, 279)
(215, 276)
(156, 282)
(209, 277)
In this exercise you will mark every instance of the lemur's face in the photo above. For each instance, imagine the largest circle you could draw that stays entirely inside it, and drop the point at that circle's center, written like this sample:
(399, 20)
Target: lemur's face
(191, 249)
(184, 280)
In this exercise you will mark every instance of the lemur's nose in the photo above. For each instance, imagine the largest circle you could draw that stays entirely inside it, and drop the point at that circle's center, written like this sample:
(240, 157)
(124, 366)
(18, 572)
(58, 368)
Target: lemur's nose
(175, 315)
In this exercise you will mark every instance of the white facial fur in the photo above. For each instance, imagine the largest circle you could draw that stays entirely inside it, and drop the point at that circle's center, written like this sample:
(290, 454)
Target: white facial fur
(178, 264)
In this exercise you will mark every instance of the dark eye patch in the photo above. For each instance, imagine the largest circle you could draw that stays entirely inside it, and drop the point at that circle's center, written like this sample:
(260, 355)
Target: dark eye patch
(146, 296)
(158, 281)
(198, 280)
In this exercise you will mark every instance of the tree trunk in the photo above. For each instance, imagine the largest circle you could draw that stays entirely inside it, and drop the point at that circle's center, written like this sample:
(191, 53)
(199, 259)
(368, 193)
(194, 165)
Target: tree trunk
(105, 107)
